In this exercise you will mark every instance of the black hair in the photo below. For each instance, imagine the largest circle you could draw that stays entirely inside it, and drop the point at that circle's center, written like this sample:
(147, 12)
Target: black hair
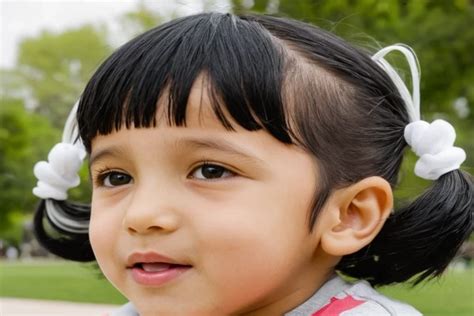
(305, 86)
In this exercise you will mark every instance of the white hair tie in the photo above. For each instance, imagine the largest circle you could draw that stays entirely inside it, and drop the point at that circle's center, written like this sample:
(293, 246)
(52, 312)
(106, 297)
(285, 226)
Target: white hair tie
(60, 173)
(433, 143)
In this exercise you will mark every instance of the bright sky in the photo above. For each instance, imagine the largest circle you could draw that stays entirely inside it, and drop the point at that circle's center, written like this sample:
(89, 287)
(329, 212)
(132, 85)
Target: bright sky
(25, 18)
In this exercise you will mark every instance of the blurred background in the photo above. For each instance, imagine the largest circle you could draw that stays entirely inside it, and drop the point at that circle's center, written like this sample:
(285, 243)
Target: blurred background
(49, 49)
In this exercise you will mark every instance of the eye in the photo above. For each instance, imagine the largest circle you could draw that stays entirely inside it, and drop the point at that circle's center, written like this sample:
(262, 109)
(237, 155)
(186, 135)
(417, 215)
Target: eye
(208, 171)
(114, 179)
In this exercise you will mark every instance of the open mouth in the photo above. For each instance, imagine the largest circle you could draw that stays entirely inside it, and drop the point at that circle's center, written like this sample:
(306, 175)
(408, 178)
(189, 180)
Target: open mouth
(154, 267)
(157, 273)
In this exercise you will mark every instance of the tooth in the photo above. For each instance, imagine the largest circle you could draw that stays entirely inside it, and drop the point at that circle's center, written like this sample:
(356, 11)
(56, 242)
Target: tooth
(155, 267)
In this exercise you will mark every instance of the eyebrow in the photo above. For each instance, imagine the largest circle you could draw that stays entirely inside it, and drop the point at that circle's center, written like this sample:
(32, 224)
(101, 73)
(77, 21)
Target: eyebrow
(217, 144)
(188, 143)
(113, 151)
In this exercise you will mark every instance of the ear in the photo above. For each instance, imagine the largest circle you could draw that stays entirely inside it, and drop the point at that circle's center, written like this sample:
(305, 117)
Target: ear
(354, 216)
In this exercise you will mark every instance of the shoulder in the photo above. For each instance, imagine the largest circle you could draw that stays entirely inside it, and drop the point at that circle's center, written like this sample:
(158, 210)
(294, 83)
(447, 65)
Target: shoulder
(371, 302)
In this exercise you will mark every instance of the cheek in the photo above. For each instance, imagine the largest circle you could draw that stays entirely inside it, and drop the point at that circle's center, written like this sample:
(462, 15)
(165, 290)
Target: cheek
(249, 268)
(102, 235)
(251, 249)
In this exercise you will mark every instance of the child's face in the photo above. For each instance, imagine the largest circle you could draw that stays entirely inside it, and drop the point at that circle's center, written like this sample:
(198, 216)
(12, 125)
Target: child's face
(243, 234)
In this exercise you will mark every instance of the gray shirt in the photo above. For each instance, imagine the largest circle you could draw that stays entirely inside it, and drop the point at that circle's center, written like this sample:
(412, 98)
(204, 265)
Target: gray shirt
(335, 297)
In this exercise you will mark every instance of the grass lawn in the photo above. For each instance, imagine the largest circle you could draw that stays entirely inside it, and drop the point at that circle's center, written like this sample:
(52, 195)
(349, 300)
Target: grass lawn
(451, 295)
(56, 280)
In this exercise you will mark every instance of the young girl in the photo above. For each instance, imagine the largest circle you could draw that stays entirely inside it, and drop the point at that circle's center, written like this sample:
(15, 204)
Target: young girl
(239, 162)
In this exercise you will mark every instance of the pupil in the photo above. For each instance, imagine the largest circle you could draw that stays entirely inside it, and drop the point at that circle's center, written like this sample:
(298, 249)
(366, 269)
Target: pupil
(119, 179)
(212, 171)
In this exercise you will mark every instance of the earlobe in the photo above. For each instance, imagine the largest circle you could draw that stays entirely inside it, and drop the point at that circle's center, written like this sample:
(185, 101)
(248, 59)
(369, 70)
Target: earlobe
(355, 215)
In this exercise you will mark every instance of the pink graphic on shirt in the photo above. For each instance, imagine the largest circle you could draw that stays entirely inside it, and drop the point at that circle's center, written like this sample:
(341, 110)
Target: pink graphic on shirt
(336, 306)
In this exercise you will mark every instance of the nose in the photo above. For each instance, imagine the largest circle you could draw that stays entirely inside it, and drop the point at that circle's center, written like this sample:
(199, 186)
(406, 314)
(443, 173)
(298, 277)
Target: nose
(151, 210)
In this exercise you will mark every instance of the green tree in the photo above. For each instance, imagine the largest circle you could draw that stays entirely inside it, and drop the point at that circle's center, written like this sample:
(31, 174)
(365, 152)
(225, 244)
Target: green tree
(36, 97)
(140, 19)
(24, 139)
(53, 68)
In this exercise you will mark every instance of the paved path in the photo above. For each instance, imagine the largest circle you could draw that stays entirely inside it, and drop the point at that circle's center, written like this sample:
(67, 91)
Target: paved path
(28, 307)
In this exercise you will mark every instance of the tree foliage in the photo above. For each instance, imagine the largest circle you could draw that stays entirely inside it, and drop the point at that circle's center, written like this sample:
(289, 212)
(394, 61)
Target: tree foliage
(53, 68)
(25, 138)
(36, 97)
(141, 19)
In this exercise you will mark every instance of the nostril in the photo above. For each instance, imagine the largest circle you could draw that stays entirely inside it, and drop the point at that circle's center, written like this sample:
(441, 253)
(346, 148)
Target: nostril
(131, 230)
(154, 219)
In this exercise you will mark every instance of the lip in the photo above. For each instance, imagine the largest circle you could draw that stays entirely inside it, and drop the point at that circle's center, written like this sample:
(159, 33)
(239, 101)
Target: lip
(154, 278)
(148, 257)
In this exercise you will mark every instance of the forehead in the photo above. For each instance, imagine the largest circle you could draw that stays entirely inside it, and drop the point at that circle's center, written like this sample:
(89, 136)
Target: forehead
(199, 113)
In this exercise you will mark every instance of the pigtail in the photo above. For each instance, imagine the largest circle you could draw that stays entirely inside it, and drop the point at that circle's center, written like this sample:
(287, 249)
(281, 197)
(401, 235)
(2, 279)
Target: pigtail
(62, 228)
(420, 239)
(59, 225)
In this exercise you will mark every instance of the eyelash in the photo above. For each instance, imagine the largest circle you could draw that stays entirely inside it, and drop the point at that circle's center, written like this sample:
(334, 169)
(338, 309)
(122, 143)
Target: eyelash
(207, 164)
(102, 174)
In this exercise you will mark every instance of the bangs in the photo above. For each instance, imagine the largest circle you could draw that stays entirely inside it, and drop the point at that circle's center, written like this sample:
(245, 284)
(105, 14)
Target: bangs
(241, 61)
